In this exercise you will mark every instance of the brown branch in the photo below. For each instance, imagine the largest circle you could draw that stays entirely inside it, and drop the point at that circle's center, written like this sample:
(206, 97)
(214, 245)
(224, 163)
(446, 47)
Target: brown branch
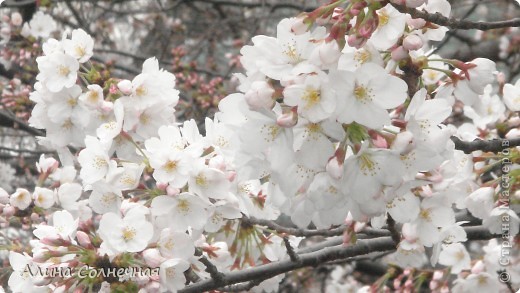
(13, 122)
(313, 258)
(396, 236)
(280, 267)
(295, 231)
(495, 145)
(290, 250)
(453, 23)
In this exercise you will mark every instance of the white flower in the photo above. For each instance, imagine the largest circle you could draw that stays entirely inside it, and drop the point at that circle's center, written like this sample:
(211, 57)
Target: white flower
(94, 160)
(502, 220)
(129, 234)
(277, 57)
(41, 25)
(175, 244)
(456, 256)
(512, 96)
(21, 279)
(208, 182)
(390, 29)
(314, 97)
(93, 98)
(57, 71)
(366, 95)
(46, 165)
(481, 282)
(172, 274)
(43, 197)
(63, 226)
(353, 58)
(480, 202)
(181, 211)
(68, 194)
(80, 46)
(21, 198)
(105, 198)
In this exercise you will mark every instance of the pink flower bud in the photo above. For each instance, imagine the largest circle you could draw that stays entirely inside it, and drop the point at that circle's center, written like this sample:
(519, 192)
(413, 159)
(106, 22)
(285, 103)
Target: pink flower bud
(16, 19)
(334, 168)
(356, 41)
(260, 96)
(416, 23)
(478, 267)
(380, 142)
(9, 211)
(412, 42)
(437, 275)
(287, 120)
(171, 191)
(152, 257)
(125, 86)
(399, 54)
(41, 256)
(83, 239)
(161, 185)
(299, 27)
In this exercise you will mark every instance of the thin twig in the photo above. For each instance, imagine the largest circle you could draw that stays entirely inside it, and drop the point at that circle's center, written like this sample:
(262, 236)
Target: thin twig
(453, 23)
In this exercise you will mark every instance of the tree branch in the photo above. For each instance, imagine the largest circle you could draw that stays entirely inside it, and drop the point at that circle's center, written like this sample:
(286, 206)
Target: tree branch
(453, 23)
(313, 258)
(309, 259)
(295, 231)
(495, 145)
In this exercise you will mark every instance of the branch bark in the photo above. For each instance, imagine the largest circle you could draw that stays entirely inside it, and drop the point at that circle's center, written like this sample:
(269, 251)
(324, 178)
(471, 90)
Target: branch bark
(495, 145)
(453, 23)
(309, 259)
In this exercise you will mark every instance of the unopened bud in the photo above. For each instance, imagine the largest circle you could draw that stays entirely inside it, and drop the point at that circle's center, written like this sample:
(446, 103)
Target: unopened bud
(288, 120)
(403, 143)
(83, 239)
(299, 27)
(356, 41)
(9, 211)
(152, 257)
(125, 86)
(412, 42)
(16, 19)
(399, 54)
(260, 96)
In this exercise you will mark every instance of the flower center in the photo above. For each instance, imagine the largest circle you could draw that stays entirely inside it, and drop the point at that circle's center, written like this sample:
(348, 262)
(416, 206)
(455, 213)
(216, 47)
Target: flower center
(292, 53)
(362, 94)
(383, 18)
(170, 166)
(128, 233)
(183, 206)
(141, 91)
(425, 214)
(311, 98)
(63, 70)
(362, 56)
(80, 51)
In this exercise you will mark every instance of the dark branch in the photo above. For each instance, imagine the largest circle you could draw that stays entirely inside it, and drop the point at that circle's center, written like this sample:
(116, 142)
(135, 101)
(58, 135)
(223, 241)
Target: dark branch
(295, 231)
(13, 122)
(495, 145)
(453, 23)
(290, 250)
(309, 259)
